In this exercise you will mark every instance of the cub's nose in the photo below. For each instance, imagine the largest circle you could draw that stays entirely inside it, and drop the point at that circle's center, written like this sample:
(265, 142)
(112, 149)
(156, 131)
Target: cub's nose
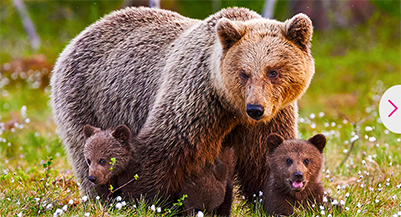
(92, 179)
(299, 175)
(255, 111)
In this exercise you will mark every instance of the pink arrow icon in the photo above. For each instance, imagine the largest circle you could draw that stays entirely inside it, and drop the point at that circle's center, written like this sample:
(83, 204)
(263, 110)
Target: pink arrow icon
(394, 109)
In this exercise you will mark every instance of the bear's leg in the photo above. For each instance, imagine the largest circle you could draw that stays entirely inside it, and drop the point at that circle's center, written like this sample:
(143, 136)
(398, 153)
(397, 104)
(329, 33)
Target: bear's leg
(225, 207)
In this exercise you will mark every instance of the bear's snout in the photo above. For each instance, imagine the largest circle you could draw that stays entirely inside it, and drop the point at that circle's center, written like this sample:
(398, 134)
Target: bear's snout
(299, 175)
(92, 179)
(255, 111)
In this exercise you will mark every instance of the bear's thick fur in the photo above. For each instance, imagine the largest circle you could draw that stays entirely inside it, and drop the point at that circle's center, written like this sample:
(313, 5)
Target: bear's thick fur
(211, 190)
(100, 147)
(186, 88)
(295, 167)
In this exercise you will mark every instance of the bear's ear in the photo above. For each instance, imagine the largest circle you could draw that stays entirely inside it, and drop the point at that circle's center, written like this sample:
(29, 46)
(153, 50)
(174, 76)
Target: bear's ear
(273, 141)
(122, 132)
(299, 30)
(89, 131)
(319, 141)
(229, 32)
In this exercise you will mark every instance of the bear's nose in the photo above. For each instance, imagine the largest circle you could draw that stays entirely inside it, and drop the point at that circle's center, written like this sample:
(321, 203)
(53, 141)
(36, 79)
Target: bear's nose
(92, 179)
(299, 175)
(255, 111)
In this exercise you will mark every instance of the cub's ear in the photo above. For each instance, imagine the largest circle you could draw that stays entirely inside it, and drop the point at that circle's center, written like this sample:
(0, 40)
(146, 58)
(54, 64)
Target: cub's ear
(299, 30)
(122, 132)
(89, 131)
(273, 141)
(319, 141)
(229, 32)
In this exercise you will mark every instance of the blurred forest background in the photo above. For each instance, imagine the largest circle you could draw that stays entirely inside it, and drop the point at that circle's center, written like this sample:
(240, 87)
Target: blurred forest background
(357, 49)
(354, 39)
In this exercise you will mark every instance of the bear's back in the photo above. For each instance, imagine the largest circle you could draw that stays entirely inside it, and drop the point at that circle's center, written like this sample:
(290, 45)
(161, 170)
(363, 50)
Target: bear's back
(117, 59)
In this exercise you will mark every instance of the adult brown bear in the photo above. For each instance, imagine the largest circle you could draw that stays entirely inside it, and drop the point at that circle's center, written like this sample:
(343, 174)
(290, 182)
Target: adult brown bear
(185, 88)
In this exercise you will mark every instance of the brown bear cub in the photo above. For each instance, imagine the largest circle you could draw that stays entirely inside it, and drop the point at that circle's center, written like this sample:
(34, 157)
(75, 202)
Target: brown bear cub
(295, 166)
(100, 148)
(209, 190)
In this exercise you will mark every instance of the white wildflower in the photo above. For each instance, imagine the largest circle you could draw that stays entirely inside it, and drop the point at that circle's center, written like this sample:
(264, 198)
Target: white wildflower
(19, 214)
(359, 205)
(70, 202)
(347, 208)
(335, 202)
(325, 199)
(322, 212)
(65, 207)
(321, 207)
(153, 207)
(58, 212)
(342, 203)
(312, 116)
(333, 124)
(159, 209)
(86, 214)
(368, 128)
(321, 114)
(49, 206)
(345, 151)
(119, 205)
(123, 203)
(347, 195)
(199, 214)
(354, 138)
(118, 198)
(372, 139)
(260, 193)
(376, 201)
(97, 198)
(84, 198)
(326, 124)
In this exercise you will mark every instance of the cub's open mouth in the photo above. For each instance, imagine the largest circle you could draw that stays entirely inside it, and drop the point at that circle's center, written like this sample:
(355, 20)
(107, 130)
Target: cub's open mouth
(297, 185)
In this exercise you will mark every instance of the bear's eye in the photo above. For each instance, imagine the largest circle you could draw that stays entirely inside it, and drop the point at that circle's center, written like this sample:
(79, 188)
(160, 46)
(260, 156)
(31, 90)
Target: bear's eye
(272, 73)
(89, 162)
(102, 161)
(243, 75)
(306, 162)
(289, 161)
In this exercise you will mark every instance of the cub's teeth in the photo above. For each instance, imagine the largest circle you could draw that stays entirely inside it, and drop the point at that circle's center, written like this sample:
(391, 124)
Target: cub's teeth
(297, 184)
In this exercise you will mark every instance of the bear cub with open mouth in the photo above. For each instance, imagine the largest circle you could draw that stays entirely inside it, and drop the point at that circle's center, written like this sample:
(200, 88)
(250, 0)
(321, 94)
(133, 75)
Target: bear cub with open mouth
(295, 166)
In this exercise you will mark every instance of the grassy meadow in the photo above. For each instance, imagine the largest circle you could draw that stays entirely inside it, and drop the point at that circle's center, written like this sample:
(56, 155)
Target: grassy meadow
(354, 66)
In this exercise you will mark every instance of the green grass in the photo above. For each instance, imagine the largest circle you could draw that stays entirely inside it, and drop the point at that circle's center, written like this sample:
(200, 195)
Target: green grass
(353, 69)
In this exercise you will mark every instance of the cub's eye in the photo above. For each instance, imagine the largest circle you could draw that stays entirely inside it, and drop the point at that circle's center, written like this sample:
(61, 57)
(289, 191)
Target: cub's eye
(102, 161)
(272, 73)
(306, 162)
(89, 162)
(289, 161)
(243, 75)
